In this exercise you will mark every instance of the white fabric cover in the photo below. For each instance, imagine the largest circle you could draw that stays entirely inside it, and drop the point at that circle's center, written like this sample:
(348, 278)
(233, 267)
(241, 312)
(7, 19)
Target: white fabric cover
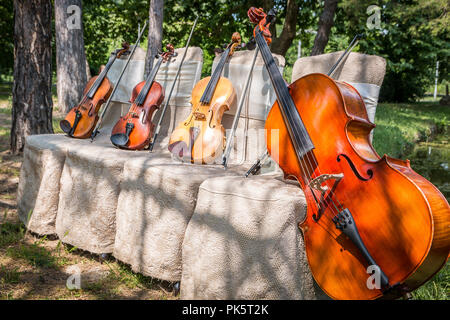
(190, 72)
(52, 177)
(362, 71)
(369, 92)
(134, 73)
(138, 205)
(155, 205)
(260, 98)
(243, 242)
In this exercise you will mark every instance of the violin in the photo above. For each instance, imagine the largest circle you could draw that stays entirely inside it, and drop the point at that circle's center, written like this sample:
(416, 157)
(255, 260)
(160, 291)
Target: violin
(201, 137)
(374, 228)
(81, 119)
(135, 129)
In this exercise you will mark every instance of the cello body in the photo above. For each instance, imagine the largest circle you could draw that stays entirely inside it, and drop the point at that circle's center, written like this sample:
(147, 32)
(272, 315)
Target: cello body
(141, 117)
(402, 219)
(201, 137)
(89, 108)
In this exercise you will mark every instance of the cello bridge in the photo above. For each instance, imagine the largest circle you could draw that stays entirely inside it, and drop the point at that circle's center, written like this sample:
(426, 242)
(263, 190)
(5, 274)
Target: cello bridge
(317, 182)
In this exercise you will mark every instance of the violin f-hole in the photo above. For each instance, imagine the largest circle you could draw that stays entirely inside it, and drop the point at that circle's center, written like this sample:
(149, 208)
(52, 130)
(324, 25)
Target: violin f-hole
(355, 171)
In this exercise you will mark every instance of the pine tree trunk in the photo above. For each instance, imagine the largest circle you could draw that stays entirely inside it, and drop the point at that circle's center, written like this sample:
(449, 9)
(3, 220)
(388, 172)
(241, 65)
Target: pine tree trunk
(325, 24)
(70, 54)
(32, 89)
(155, 32)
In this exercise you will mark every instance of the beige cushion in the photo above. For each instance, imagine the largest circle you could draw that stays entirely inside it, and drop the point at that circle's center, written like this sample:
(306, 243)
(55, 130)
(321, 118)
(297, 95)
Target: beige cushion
(243, 242)
(364, 72)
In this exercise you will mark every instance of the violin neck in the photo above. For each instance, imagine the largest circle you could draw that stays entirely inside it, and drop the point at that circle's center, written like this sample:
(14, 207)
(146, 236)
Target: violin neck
(297, 131)
(100, 78)
(140, 99)
(211, 87)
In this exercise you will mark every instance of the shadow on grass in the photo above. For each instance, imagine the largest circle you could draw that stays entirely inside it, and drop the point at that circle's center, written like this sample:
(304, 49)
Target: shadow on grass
(48, 275)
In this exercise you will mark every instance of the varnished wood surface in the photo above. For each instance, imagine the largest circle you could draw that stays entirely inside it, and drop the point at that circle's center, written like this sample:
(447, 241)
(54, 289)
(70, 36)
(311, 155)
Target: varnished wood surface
(88, 121)
(403, 220)
(206, 118)
(143, 130)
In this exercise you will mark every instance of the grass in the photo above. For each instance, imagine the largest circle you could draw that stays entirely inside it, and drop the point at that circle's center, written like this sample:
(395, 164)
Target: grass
(9, 275)
(45, 261)
(401, 126)
(437, 288)
(11, 233)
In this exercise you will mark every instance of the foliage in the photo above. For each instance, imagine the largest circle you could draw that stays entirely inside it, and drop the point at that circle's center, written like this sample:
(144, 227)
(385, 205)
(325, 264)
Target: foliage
(6, 38)
(108, 24)
(413, 35)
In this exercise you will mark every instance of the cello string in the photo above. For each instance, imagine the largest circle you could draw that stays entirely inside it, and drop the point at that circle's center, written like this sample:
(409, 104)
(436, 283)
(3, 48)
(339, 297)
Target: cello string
(306, 172)
(265, 52)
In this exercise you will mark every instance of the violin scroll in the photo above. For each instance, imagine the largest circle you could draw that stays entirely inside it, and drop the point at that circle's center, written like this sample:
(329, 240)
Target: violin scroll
(169, 53)
(235, 42)
(125, 49)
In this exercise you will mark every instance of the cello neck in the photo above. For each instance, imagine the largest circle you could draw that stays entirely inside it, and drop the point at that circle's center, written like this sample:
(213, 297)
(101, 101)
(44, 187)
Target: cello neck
(299, 136)
(211, 87)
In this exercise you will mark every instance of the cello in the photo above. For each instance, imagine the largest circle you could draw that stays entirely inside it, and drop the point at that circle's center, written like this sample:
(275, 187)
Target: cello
(201, 137)
(135, 129)
(81, 119)
(373, 228)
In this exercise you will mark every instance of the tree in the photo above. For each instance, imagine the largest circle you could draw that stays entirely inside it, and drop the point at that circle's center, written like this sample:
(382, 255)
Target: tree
(6, 43)
(280, 44)
(411, 37)
(155, 32)
(70, 54)
(325, 24)
(32, 95)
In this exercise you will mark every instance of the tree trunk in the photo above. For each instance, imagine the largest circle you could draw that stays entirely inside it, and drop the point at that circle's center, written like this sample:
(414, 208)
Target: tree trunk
(281, 44)
(32, 89)
(88, 71)
(155, 32)
(325, 24)
(70, 54)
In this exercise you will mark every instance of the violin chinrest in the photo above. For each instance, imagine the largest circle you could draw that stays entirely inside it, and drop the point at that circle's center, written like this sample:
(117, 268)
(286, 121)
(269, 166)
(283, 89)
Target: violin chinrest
(119, 139)
(65, 126)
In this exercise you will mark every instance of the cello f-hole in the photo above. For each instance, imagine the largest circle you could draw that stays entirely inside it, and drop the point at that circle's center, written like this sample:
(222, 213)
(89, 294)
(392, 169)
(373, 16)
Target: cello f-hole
(355, 171)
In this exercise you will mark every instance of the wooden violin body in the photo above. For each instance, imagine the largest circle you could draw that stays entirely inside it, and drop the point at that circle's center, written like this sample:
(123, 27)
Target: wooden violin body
(402, 219)
(82, 119)
(201, 137)
(135, 129)
(140, 118)
(87, 110)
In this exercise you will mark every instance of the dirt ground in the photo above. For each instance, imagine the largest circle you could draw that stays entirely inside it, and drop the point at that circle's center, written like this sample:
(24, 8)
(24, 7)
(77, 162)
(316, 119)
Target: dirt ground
(33, 267)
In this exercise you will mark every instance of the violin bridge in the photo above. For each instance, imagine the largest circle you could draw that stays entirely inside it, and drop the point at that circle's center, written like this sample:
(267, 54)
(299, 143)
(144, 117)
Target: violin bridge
(199, 116)
(317, 182)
